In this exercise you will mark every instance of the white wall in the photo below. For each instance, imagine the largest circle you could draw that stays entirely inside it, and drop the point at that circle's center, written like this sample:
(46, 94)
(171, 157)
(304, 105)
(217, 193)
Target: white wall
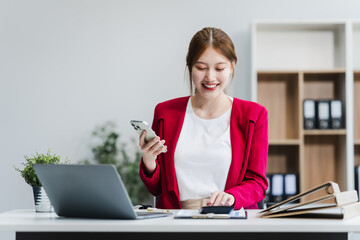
(66, 66)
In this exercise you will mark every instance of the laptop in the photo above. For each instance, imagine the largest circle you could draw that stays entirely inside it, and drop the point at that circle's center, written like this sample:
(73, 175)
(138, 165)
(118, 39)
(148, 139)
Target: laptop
(88, 191)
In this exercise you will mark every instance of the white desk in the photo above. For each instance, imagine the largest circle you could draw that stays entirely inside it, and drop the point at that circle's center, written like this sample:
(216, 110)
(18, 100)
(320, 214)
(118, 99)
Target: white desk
(31, 225)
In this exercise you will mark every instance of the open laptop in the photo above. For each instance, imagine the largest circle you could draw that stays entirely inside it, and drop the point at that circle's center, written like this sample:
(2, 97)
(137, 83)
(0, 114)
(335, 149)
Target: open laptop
(88, 191)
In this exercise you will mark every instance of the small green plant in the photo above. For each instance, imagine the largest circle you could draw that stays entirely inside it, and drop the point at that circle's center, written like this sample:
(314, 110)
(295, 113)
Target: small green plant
(28, 172)
(108, 149)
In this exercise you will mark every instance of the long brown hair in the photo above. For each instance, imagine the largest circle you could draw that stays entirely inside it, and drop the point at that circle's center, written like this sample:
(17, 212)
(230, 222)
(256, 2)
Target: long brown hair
(205, 38)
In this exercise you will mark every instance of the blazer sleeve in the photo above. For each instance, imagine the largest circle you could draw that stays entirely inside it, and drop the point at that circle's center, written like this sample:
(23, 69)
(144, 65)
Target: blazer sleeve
(252, 189)
(152, 182)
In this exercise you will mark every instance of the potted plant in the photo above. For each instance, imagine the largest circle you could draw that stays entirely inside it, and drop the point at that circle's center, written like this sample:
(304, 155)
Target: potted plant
(42, 202)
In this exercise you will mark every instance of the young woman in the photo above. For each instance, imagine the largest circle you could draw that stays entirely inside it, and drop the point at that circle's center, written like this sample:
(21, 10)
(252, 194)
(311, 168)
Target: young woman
(216, 145)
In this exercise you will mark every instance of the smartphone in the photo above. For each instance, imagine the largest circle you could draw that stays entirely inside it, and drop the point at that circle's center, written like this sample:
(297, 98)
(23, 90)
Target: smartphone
(216, 209)
(140, 126)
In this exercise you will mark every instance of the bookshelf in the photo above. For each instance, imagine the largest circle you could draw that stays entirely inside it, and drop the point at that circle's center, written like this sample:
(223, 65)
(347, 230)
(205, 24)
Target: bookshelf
(297, 60)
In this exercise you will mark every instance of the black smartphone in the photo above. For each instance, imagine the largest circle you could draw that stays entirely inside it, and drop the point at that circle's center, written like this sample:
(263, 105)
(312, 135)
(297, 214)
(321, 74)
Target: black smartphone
(217, 209)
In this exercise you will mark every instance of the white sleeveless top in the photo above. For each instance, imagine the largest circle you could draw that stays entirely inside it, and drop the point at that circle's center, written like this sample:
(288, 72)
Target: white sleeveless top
(202, 155)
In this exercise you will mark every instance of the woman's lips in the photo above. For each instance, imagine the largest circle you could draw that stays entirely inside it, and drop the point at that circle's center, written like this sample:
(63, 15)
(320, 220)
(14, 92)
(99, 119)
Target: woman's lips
(210, 87)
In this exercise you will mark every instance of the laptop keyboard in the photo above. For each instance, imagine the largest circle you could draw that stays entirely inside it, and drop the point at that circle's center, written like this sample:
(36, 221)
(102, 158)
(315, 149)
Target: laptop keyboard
(150, 213)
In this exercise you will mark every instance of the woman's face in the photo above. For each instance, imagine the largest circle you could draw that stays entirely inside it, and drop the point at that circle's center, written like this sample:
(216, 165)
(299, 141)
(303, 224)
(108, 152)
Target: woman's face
(211, 73)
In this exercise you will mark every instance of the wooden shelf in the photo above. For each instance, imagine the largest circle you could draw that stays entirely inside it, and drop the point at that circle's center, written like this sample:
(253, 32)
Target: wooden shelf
(324, 86)
(296, 71)
(284, 142)
(324, 155)
(279, 93)
(283, 159)
(325, 71)
(278, 71)
(325, 132)
(308, 60)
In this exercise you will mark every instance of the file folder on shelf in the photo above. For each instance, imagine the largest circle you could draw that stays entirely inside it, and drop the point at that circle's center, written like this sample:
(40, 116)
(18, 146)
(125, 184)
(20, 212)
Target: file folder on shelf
(277, 187)
(323, 114)
(281, 186)
(336, 114)
(290, 185)
(309, 114)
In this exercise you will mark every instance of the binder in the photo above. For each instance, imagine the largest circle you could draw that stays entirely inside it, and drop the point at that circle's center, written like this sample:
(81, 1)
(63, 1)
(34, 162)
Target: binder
(323, 200)
(290, 185)
(336, 114)
(324, 190)
(339, 212)
(309, 114)
(332, 200)
(323, 114)
(277, 187)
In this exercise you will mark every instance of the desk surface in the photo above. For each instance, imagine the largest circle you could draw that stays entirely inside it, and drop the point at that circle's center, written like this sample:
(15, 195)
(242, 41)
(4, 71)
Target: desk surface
(30, 221)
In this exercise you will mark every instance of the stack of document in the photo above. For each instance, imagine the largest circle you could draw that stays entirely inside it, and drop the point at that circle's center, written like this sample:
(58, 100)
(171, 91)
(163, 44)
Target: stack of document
(323, 201)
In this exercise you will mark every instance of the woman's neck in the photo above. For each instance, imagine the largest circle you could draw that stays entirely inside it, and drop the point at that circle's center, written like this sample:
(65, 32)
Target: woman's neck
(210, 108)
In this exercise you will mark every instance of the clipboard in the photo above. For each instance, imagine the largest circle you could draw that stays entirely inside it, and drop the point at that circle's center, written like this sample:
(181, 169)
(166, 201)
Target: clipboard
(195, 214)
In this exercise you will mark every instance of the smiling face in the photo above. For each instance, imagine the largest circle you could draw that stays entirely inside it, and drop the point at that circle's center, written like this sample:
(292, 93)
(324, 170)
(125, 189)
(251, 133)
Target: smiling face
(211, 52)
(211, 73)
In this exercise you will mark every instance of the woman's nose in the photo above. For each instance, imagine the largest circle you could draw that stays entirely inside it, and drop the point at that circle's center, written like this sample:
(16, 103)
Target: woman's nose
(210, 74)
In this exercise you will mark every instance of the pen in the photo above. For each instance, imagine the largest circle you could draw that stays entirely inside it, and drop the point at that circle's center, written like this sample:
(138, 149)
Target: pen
(150, 209)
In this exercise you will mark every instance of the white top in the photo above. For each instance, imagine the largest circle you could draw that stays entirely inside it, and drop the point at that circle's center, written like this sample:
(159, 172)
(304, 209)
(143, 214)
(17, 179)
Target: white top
(202, 155)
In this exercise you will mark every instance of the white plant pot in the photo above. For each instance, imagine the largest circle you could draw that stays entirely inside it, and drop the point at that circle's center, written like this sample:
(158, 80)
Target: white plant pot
(42, 202)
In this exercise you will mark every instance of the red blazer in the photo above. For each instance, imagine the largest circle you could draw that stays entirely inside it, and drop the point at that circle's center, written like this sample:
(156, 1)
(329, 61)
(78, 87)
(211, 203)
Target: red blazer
(246, 179)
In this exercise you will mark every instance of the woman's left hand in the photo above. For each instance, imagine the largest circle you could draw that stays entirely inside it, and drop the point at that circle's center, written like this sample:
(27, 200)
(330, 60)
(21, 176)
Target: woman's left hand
(221, 199)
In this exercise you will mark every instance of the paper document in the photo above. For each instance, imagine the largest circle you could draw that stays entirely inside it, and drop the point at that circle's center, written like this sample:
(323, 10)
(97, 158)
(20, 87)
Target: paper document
(185, 213)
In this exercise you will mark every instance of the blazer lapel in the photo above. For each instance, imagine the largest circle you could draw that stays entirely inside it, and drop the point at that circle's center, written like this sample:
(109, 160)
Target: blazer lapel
(241, 131)
(238, 137)
(173, 119)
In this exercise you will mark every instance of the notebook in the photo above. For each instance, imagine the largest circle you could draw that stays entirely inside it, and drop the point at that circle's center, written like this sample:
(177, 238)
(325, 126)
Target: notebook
(88, 191)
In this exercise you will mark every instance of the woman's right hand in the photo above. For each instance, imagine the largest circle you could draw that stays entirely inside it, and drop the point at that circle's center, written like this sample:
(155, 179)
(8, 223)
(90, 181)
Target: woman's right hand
(150, 151)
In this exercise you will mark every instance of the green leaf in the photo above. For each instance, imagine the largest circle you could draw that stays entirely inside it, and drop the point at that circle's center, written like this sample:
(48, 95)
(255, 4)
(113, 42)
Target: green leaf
(28, 172)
